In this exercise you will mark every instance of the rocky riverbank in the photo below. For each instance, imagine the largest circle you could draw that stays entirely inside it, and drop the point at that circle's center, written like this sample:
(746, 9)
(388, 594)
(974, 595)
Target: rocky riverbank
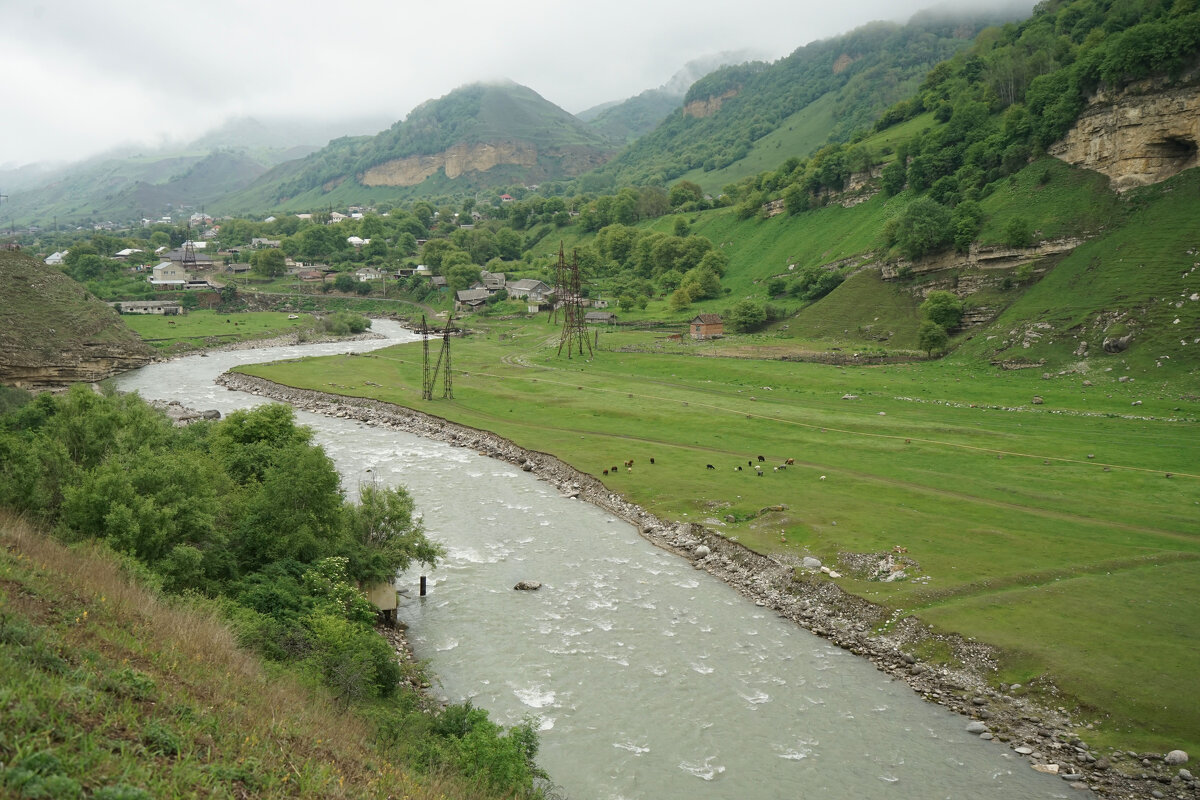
(1044, 735)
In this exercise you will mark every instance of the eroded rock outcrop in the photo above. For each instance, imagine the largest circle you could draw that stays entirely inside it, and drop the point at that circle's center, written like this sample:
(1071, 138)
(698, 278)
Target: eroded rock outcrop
(1136, 137)
(456, 160)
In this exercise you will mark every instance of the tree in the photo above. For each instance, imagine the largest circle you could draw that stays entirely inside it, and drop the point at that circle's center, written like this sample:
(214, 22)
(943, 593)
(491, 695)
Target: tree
(942, 308)
(924, 227)
(363, 288)
(967, 220)
(1017, 233)
(893, 176)
(344, 282)
(685, 192)
(270, 263)
(745, 315)
(386, 538)
(932, 336)
(461, 276)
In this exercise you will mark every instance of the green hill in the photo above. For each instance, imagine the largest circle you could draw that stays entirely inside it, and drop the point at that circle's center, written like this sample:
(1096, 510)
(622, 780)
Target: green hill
(847, 81)
(478, 135)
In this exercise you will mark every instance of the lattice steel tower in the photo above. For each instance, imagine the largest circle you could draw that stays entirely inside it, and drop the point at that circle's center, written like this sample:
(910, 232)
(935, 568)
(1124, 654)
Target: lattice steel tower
(569, 296)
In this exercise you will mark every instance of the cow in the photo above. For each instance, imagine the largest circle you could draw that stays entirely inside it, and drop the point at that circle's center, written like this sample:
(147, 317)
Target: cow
(760, 458)
(605, 472)
(652, 459)
(790, 461)
(612, 469)
(709, 466)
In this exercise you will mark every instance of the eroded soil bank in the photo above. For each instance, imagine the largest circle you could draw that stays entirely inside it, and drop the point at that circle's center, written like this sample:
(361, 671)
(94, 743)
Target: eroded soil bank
(1045, 735)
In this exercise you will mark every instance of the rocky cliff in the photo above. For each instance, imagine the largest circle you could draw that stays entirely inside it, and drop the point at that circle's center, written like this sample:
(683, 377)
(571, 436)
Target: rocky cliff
(466, 158)
(1136, 137)
(53, 332)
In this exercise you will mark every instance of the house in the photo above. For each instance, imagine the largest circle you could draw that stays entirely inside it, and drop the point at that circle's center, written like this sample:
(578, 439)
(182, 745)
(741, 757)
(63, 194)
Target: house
(56, 258)
(470, 299)
(507, 198)
(492, 281)
(167, 308)
(337, 216)
(310, 275)
(707, 326)
(368, 274)
(599, 302)
(202, 259)
(259, 241)
(356, 241)
(600, 318)
(238, 268)
(532, 288)
(269, 219)
(168, 275)
(438, 282)
(423, 269)
(121, 255)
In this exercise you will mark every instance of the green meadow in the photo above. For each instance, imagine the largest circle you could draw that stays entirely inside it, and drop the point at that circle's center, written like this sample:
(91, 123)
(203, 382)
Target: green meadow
(1052, 531)
(198, 329)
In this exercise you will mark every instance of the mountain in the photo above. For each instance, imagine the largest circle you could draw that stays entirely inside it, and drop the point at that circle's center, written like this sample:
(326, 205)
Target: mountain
(484, 134)
(129, 182)
(744, 118)
(626, 120)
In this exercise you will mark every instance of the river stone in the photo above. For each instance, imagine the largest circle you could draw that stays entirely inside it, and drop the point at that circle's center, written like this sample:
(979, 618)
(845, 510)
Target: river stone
(1037, 400)
(1176, 757)
(1185, 774)
(812, 563)
(1023, 750)
(527, 586)
(976, 727)
(212, 413)
(702, 551)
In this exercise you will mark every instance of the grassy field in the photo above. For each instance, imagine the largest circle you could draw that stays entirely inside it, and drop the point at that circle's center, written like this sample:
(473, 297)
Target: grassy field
(1051, 531)
(198, 329)
(110, 692)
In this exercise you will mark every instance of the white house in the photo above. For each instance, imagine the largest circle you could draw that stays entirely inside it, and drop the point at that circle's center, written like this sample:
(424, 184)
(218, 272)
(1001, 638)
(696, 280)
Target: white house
(367, 274)
(168, 275)
(56, 258)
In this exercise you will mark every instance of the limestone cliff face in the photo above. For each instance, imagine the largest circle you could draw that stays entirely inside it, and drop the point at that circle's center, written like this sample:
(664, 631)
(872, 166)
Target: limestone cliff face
(457, 160)
(708, 106)
(462, 159)
(990, 257)
(1136, 137)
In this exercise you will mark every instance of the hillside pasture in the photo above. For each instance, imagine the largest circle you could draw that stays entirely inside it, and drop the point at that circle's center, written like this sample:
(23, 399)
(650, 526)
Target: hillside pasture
(199, 329)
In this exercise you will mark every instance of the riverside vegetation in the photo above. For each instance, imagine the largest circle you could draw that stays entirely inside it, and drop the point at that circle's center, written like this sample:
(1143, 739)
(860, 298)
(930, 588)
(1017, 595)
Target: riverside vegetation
(120, 647)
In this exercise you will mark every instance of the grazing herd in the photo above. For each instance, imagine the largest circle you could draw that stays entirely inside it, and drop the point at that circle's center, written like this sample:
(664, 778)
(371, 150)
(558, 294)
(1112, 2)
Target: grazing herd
(787, 462)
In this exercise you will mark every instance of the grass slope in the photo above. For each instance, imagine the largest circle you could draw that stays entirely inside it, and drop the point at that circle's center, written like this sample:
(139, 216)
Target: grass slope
(992, 496)
(198, 329)
(110, 692)
(45, 317)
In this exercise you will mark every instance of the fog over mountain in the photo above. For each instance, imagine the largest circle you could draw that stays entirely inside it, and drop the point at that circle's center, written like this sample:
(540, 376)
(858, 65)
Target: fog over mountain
(84, 77)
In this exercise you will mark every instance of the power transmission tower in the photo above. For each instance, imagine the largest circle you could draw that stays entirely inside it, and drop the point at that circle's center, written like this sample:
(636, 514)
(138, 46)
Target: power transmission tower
(574, 333)
(429, 374)
(189, 252)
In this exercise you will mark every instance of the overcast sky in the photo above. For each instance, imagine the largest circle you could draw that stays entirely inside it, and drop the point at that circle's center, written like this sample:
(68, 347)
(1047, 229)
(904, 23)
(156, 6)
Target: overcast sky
(81, 76)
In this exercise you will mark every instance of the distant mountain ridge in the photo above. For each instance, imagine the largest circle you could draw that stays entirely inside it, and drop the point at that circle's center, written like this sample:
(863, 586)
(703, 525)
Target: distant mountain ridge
(846, 80)
(482, 134)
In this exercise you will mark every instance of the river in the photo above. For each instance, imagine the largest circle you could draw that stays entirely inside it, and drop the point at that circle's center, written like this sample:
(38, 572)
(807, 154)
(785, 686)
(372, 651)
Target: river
(647, 678)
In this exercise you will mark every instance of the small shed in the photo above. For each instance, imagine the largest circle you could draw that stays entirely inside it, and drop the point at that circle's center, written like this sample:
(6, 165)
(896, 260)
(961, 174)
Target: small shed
(600, 318)
(707, 326)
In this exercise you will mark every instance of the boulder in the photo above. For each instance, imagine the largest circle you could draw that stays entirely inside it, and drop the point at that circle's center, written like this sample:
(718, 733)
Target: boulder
(1117, 344)
(1037, 400)
(1176, 757)
(812, 563)
(702, 551)
(976, 727)
(527, 586)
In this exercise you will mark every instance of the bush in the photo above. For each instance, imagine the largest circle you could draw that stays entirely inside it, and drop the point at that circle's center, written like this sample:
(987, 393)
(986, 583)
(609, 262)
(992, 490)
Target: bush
(942, 308)
(923, 228)
(1017, 233)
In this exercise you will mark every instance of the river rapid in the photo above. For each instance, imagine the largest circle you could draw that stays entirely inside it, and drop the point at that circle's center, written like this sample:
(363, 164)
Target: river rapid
(647, 678)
